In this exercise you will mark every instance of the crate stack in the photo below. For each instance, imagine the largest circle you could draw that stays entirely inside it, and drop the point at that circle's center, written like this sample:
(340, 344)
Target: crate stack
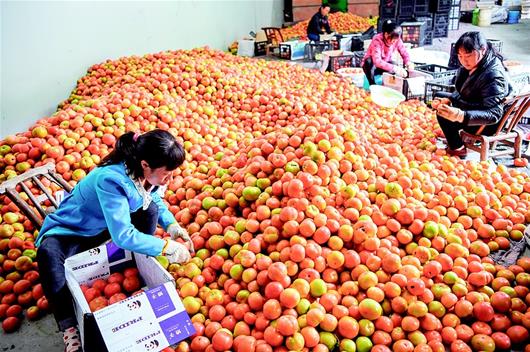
(440, 15)
(441, 10)
(405, 10)
(429, 25)
(454, 15)
(387, 11)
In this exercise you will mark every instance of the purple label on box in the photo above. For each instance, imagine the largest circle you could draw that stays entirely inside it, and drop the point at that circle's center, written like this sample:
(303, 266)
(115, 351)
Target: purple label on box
(160, 301)
(114, 253)
(177, 327)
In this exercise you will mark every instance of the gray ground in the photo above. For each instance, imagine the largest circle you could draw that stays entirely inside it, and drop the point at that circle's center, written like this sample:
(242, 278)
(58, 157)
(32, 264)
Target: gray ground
(43, 336)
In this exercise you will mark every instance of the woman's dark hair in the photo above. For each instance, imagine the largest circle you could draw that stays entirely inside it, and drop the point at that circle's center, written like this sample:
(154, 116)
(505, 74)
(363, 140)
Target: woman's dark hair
(157, 147)
(471, 41)
(392, 28)
(323, 6)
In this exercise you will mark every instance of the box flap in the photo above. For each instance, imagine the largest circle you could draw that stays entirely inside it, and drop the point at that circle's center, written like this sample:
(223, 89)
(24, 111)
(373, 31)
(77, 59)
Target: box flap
(149, 321)
(96, 263)
(261, 36)
(151, 271)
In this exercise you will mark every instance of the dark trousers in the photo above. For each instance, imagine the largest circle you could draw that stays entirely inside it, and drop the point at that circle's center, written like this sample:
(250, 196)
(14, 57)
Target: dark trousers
(370, 70)
(452, 129)
(54, 250)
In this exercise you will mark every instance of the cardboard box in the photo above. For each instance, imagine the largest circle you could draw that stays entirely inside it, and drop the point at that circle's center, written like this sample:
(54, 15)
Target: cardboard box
(293, 50)
(245, 47)
(260, 48)
(411, 87)
(149, 321)
(333, 60)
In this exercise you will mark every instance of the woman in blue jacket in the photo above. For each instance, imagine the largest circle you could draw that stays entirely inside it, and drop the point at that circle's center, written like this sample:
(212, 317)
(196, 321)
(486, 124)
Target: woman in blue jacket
(118, 200)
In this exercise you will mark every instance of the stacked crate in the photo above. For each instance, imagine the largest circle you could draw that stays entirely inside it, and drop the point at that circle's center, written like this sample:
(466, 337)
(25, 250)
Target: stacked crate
(440, 15)
(387, 11)
(405, 10)
(441, 10)
(421, 8)
(428, 31)
(454, 15)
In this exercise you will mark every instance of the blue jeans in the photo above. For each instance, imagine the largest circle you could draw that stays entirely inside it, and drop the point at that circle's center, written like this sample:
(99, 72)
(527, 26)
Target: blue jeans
(54, 250)
(314, 37)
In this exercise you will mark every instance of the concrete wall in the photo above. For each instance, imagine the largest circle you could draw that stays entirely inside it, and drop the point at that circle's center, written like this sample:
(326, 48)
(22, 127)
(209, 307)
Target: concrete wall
(304, 9)
(48, 45)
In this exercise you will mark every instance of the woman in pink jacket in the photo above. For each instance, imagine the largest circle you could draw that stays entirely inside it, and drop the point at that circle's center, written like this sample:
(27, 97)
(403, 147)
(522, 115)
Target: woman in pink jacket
(378, 57)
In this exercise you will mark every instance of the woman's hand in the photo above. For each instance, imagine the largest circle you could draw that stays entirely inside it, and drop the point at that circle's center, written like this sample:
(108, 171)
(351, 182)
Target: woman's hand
(178, 232)
(410, 66)
(450, 113)
(438, 101)
(400, 71)
(176, 252)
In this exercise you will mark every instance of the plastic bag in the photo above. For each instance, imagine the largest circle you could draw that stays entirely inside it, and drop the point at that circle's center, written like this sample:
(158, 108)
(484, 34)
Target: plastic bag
(499, 14)
(517, 249)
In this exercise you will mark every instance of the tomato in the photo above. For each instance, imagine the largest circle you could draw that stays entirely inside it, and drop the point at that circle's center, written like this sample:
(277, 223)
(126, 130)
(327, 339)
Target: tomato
(517, 334)
(502, 341)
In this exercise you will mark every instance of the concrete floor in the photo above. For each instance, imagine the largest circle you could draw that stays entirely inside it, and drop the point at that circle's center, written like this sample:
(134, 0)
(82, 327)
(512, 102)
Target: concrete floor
(43, 335)
(516, 45)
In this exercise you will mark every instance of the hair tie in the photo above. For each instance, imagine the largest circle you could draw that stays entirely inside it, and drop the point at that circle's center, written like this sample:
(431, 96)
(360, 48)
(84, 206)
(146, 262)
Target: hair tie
(135, 137)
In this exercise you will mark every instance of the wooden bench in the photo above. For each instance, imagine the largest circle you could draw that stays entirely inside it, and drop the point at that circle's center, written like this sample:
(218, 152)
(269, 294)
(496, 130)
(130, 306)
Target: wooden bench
(18, 190)
(505, 133)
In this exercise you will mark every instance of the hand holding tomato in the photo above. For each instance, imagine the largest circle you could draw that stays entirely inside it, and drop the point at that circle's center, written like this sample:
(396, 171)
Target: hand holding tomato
(439, 101)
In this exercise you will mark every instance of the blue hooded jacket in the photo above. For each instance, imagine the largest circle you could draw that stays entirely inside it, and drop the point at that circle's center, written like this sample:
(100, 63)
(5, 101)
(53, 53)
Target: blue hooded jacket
(105, 199)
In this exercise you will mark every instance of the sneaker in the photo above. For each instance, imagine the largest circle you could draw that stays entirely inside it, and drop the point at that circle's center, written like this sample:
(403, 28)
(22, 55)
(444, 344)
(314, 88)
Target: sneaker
(72, 341)
(462, 152)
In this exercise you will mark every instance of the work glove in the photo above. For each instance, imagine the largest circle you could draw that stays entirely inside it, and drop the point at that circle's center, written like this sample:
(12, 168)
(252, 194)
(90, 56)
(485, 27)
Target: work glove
(400, 71)
(450, 113)
(176, 252)
(178, 232)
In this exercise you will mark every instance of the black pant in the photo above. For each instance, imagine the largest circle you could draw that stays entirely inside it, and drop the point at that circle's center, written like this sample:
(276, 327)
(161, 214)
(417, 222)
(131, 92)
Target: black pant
(54, 250)
(452, 129)
(370, 70)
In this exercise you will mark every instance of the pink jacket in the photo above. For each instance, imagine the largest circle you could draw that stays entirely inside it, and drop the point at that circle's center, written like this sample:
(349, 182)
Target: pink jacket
(381, 53)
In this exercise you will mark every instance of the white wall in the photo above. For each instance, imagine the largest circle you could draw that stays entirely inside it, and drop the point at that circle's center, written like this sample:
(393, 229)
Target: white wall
(48, 45)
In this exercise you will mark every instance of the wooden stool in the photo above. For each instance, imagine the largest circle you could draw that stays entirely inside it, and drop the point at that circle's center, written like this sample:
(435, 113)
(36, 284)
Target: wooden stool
(505, 133)
(274, 38)
(36, 211)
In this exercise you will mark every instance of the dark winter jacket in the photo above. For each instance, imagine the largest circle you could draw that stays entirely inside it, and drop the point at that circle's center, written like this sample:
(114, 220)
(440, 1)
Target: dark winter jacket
(480, 95)
(316, 23)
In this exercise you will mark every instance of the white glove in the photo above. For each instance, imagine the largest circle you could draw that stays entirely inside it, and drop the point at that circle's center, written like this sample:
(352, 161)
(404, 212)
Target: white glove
(451, 113)
(400, 71)
(176, 252)
(178, 232)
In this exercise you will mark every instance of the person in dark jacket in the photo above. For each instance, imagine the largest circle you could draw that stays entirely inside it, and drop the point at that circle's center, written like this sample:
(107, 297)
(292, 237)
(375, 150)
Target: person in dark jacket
(481, 86)
(319, 24)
